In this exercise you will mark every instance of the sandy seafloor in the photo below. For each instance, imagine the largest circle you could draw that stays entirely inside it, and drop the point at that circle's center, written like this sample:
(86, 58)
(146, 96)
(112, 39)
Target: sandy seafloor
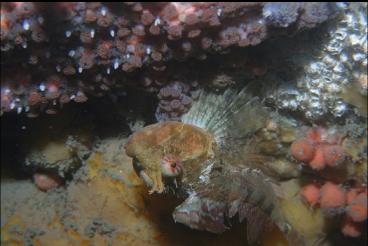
(105, 204)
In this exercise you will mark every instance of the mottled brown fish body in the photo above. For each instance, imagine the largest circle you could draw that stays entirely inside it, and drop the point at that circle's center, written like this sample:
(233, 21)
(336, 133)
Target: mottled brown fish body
(183, 141)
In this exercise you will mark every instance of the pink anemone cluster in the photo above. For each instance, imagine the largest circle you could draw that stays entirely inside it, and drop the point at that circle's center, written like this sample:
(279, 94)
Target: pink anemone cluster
(56, 53)
(321, 149)
(335, 199)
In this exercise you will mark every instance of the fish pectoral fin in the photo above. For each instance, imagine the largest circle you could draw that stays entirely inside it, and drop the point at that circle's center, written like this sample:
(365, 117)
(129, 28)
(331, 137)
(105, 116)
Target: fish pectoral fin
(152, 177)
(147, 180)
(138, 168)
(158, 185)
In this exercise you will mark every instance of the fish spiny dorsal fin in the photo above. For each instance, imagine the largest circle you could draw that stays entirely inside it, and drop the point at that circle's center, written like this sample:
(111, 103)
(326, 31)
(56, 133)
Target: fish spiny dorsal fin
(228, 116)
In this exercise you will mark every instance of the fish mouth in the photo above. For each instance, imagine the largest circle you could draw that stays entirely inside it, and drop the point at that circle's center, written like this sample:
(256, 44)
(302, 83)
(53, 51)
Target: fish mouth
(172, 172)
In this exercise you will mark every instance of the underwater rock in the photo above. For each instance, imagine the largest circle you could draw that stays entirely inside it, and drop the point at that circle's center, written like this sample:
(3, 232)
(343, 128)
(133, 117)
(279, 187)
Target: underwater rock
(272, 142)
(353, 96)
(284, 169)
(109, 205)
(88, 49)
(62, 156)
(280, 15)
(46, 182)
(355, 146)
(338, 61)
(362, 84)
